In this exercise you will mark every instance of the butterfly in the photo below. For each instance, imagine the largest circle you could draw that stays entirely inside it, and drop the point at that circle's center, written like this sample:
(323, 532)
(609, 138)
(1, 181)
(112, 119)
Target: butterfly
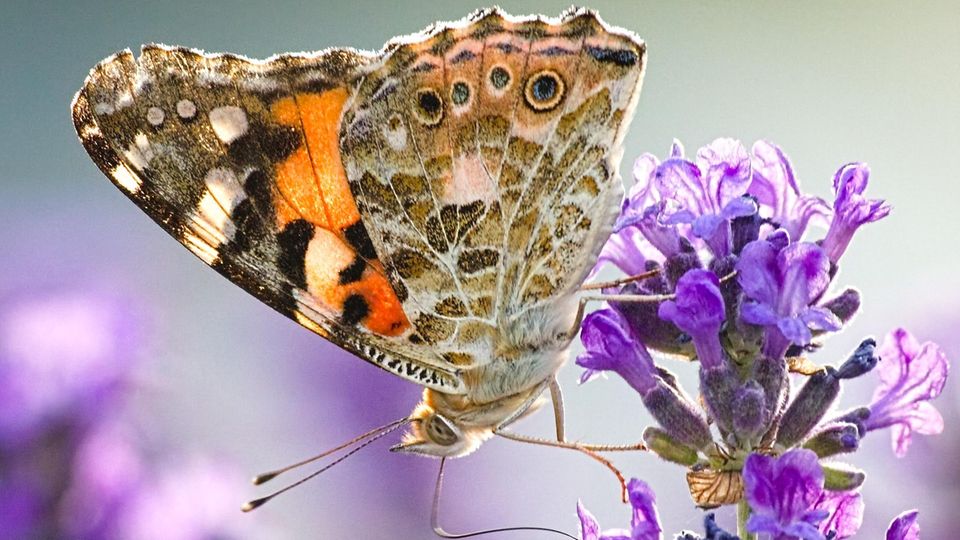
(432, 208)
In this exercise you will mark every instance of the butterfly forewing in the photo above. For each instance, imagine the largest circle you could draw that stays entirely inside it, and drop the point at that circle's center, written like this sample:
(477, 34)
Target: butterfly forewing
(234, 159)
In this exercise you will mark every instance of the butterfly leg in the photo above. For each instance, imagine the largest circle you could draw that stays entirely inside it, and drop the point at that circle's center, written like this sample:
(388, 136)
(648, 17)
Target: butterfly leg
(581, 309)
(556, 396)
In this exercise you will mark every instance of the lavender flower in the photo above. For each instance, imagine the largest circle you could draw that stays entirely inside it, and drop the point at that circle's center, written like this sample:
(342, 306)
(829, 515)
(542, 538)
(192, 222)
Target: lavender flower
(611, 346)
(851, 209)
(904, 527)
(911, 375)
(699, 311)
(644, 523)
(778, 192)
(62, 356)
(782, 284)
(845, 513)
(782, 493)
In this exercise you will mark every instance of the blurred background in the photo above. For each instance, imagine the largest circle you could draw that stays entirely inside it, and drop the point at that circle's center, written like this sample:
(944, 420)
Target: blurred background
(144, 390)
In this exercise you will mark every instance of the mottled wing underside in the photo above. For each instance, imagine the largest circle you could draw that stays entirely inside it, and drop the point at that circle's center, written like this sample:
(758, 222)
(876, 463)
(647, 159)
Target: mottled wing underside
(239, 161)
(484, 159)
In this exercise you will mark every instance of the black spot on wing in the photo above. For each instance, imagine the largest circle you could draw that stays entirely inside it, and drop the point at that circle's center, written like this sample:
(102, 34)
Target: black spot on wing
(555, 51)
(359, 240)
(275, 142)
(293, 241)
(355, 309)
(463, 56)
(620, 57)
(353, 272)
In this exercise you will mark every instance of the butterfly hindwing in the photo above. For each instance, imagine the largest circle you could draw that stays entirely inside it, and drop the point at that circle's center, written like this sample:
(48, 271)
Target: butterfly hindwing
(486, 156)
(239, 161)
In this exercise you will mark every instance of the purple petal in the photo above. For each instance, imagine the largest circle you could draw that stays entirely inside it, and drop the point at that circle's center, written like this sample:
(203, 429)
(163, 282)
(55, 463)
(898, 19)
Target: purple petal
(589, 528)
(820, 318)
(911, 375)
(805, 271)
(795, 330)
(625, 250)
(845, 512)
(645, 524)
(699, 311)
(904, 527)
(739, 207)
(726, 170)
(644, 169)
(612, 346)
(758, 314)
(679, 180)
(784, 488)
(757, 272)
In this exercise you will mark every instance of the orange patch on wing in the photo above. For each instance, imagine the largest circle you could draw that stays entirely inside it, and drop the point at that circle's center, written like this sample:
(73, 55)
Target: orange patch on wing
(312, 178)
(326, 256)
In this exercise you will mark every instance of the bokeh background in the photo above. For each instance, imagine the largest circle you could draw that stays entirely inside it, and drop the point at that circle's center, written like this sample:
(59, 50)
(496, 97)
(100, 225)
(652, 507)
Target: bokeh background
(225, 382)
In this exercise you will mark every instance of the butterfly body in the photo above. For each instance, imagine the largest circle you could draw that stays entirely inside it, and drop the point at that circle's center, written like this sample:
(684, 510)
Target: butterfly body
(432, 208)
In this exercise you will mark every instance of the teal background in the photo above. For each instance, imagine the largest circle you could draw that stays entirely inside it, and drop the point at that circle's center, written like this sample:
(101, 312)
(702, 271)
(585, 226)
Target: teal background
(831, 82)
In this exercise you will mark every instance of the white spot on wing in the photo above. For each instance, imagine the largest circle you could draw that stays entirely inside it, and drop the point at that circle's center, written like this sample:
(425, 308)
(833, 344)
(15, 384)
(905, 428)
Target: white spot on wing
(139, 153)
(228, 123)
(103, 108)
(126, 179)
(222, 195)
(186, 109)
(155, 116)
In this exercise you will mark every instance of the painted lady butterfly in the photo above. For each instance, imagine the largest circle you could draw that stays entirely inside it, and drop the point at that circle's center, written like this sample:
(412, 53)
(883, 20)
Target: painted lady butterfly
(432, 208)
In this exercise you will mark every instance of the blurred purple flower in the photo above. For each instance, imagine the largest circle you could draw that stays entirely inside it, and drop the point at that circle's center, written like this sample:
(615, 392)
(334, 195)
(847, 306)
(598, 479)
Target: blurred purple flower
(644, 524)
(782, 284)
(904, 527)
(610, 345)
(845, 513)
(851, 209)
(782, 493)
(62, 358)
(911, 375)
(192, 500)
(699, 311)
(778, 192)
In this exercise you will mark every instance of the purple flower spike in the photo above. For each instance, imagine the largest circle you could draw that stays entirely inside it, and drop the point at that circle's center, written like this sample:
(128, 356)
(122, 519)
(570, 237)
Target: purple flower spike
(846, 513)
(851, 208)
(782, 285)
(611, 346)
(782, 493)
(904, 527)
(644, 525)
(911, 375)
(699, 311)
(778, 192)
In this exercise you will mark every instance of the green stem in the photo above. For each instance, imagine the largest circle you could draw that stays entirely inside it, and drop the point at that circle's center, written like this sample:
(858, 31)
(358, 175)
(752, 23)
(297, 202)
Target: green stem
(743, 513)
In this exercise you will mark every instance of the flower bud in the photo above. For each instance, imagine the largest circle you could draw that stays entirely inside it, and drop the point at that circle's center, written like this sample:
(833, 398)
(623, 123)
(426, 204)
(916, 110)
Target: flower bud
(677, 416)
(771, 375)
(856, 417)
(842, 477)
(668, 448)
(751, 416)
(811, 403)
(678, 264)
(719, 387)
(844, 306)
(745, 229)
(861, 361)
(838, 438)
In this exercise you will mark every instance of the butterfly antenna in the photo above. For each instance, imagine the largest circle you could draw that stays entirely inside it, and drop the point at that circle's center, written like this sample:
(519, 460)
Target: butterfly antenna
(370, 436)
(439, 531)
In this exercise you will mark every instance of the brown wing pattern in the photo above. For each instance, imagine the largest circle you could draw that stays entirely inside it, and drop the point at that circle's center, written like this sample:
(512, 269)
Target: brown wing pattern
(239, 161)
(486, 155)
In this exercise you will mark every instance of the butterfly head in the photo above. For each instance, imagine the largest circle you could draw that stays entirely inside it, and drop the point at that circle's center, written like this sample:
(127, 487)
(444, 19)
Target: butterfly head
(433, 433)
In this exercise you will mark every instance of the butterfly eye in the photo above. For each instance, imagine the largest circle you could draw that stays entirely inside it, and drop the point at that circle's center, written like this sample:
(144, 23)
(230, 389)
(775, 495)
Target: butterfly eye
(440, 431)
(544, 90)
(429, 106)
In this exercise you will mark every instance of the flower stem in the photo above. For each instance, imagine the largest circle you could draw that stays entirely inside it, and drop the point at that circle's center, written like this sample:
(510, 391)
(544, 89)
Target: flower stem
(743, 513)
